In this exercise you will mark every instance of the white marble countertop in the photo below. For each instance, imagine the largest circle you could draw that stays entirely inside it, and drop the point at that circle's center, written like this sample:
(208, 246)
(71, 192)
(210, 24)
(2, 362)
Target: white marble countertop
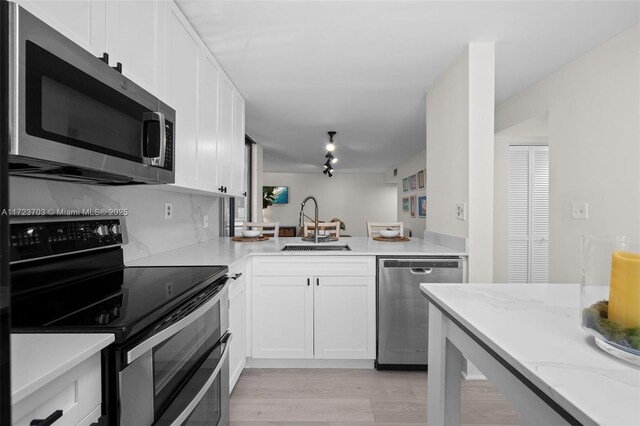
(37, 359)
(223, 251)
(536, 329)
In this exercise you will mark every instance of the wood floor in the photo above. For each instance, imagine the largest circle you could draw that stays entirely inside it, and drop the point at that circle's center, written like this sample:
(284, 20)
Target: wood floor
(343, 397)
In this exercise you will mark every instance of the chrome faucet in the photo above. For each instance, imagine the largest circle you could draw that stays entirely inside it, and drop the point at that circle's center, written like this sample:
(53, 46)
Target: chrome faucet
(315, 221)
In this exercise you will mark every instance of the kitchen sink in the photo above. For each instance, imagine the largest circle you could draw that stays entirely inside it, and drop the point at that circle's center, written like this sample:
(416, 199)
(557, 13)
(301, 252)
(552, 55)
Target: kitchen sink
(308, 247)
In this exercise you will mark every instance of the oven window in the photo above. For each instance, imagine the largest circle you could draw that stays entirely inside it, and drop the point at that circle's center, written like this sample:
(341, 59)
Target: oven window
(178, 357)
(69, 106)
(209, 411)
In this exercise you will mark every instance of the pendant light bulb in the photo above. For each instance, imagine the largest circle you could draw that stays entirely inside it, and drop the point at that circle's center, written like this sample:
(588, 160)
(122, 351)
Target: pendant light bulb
(334, 160)
(331, 146)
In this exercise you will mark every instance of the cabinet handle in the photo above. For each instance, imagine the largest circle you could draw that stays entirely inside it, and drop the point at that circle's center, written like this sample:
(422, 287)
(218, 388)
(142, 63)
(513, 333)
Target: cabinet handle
(317, 281)
(221, 189)
(225, 189)
(118, 67)
(308, 282)
(244, 194)
(238, 275)
(104, 58)
(48, 421)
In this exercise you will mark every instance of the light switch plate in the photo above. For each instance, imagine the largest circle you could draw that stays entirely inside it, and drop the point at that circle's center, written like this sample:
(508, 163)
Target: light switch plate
(461, 211)
(205, 221)
(580, 211)
(168, 210)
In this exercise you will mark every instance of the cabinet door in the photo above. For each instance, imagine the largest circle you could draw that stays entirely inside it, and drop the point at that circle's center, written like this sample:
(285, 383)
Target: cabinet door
(238, 173)
(282, 317)
(132, 39)
(82, 21)
(208, 124)
(237, 360)
(181, 65)
(225, 141)
(344, 324)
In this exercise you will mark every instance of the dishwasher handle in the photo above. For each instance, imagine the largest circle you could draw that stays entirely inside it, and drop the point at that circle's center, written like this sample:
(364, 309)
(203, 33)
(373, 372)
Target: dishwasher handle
(421, 271)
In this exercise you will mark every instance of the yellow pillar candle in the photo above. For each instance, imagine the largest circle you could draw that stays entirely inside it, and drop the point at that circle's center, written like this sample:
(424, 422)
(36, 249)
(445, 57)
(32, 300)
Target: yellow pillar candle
(624, 293)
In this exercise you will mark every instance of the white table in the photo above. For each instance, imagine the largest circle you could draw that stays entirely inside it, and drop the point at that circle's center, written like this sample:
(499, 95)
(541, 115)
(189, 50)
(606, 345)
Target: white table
(527, 340)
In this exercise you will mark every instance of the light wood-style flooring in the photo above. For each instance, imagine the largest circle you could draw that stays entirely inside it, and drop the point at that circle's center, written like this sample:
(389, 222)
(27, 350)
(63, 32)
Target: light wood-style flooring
(346, 397)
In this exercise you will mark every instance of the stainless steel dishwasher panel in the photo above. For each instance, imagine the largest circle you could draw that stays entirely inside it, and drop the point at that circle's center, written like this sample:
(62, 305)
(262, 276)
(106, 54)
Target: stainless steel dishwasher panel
(403, 320)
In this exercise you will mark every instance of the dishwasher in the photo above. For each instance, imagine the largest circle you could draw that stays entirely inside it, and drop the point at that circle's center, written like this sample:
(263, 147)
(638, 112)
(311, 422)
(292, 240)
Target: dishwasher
(402, 316)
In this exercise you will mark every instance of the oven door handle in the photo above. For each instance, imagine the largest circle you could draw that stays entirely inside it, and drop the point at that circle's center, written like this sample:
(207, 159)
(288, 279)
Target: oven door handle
(163, 335)
(177, 419)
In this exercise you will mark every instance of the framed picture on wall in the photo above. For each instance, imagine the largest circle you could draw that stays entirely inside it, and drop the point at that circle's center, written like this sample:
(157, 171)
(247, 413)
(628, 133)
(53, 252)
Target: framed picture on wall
(422, 206)
(405, 204)
(277, 194)
(405, 185)
(413, 182)
(412, 203)
(421, 179)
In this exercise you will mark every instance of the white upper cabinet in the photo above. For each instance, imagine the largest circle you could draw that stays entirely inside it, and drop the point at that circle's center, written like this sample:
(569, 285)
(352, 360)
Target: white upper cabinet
(82, 21)
(132, 39)
(208, 124)
(181, 90)
(225, 143)
(238, 184)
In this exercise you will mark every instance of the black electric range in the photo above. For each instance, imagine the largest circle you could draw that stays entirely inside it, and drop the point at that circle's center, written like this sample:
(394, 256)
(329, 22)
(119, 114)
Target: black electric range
(68, 275)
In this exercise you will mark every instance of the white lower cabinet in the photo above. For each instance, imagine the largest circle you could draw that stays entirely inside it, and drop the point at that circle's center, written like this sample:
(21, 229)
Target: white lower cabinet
(329, 313)
(282, 317)
(237, 326)
(78, 393)
(344, 317)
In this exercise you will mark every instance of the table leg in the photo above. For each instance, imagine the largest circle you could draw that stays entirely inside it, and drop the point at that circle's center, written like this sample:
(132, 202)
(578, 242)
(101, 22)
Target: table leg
(445, 373)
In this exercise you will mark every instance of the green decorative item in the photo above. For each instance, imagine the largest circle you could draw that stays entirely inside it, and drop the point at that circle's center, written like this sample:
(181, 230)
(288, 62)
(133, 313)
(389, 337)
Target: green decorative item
(596, 318)
(268, 196)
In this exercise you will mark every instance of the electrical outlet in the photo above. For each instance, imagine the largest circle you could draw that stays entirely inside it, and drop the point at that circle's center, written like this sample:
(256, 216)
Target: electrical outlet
(461, 211)
(205, 221)
(579, 211)
(168, 210)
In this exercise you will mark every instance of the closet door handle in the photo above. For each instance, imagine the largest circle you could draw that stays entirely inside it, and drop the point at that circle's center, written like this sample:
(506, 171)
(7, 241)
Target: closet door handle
(308, 282)
(317, 281)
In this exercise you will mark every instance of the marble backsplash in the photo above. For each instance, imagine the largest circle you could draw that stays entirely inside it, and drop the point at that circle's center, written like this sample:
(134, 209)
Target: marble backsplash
(148, 231)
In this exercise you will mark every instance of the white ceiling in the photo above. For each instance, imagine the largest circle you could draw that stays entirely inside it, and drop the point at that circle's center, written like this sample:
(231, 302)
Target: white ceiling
(362, 68)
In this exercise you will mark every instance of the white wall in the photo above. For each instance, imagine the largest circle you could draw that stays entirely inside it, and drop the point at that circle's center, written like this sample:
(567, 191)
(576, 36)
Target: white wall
(594, 145)
(460, 134)
(412, 166)
(349, 197)
(149, 233)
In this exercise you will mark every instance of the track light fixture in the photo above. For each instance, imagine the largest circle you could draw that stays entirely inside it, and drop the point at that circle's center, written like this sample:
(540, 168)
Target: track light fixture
(328, 168)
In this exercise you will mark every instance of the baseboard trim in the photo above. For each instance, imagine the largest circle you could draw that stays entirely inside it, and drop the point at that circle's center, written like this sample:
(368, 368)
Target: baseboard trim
(309, 363)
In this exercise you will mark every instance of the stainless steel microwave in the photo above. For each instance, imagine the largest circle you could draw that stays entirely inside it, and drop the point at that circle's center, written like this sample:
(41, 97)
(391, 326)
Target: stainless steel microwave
(76, 118)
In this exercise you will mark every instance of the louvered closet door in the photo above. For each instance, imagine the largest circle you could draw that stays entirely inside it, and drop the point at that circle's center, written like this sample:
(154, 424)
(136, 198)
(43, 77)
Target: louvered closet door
(528, 216)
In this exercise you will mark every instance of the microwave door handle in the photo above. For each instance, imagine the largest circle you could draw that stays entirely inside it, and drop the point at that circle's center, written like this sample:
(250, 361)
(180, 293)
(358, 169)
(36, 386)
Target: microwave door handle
(162, 138)
(178, 419)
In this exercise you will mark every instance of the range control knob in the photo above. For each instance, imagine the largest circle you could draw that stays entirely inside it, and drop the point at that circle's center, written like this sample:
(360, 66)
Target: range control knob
(103, 318)
(101, 230)
(114, 229)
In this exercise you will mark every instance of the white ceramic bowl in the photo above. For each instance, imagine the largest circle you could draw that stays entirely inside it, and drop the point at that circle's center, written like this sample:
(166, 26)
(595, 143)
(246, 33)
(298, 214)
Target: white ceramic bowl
(250, 233)
(389, 233)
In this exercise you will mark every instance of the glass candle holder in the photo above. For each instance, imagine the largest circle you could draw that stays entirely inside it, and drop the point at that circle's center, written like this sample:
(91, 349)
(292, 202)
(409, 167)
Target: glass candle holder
(610, 294)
